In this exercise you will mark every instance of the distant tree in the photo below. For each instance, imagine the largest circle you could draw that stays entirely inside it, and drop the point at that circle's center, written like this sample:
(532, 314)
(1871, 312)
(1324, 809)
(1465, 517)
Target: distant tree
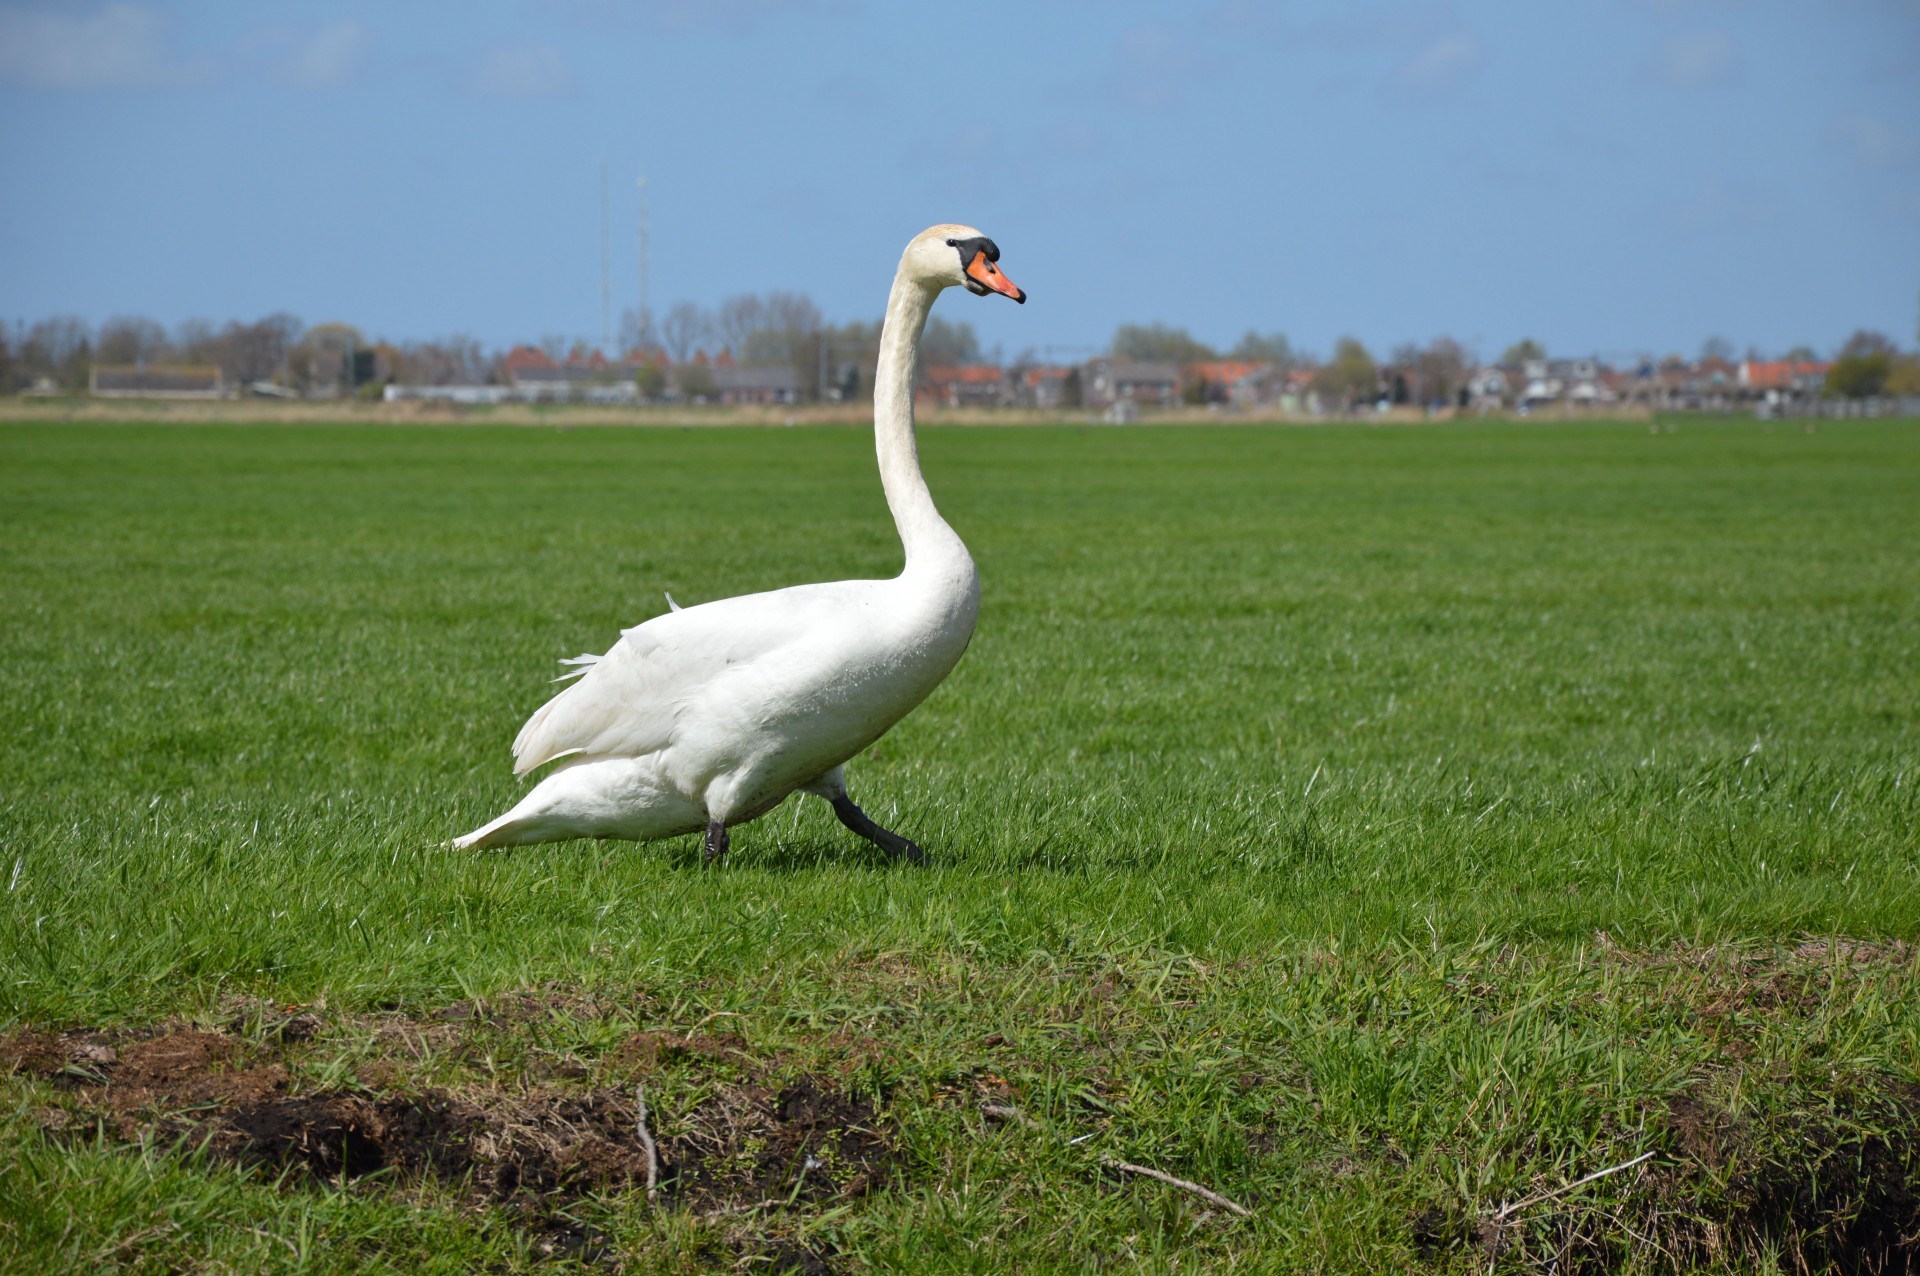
(455, 360)
(127, 339)
(325, 357)
(195, 341)
(686, 329)
(695, 381)
(1521, 351)
(735, 322)
(1272, 348)
(1716, 348)
(650, 380)
(9, 364)
(58, 350)
(1439, 372)
(1158, 342)
(1401, 361)
(1072, 395)
(257, 351)
(1801, 354)
(1865, 342)
(787, 332)
(948, 342)
(852, 354)
(1903, 378)
(1863, 367)
(1349, 377)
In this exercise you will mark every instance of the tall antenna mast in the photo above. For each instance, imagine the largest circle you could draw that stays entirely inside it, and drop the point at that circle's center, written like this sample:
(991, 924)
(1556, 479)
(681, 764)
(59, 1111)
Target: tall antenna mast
(606, 280)
(646, 306)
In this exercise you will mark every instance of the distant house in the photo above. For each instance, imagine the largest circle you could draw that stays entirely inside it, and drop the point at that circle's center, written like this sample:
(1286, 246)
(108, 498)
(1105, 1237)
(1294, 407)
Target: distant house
(1576, 381)
(1220, 380)
(1265, 386)
(584, 376)
(740, 387)
(1783, 376)
(1041, 387)
(1489, 386)
(1139, 382)
(963, 385)
(157, 381)
(1298, 395)
(467, 394)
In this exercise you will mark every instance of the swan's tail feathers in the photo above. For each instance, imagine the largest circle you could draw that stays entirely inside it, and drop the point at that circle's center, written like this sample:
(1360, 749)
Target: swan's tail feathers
(532, 747)
(582, 662)
(670, 603)
(498, 833)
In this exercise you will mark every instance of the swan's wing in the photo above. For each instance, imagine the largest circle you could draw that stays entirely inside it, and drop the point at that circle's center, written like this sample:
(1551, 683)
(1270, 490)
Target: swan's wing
(627, 702)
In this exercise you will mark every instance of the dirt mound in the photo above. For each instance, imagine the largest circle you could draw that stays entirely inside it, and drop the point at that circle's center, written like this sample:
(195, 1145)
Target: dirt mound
(1832, 1184)
(754, 1145)
(1828, 1186)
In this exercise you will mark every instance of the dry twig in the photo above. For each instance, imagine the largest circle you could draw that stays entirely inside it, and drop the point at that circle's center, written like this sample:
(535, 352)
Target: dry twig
(1127, 1167)
(646, 1140)
(1508, 1211)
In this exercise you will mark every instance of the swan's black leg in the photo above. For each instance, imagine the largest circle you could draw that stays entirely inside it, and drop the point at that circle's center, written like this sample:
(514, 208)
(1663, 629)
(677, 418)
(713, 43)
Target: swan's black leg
(717, 841)
(890, 842)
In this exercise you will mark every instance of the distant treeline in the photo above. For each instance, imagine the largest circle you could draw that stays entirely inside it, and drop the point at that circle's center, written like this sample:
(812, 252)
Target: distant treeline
(775, 329)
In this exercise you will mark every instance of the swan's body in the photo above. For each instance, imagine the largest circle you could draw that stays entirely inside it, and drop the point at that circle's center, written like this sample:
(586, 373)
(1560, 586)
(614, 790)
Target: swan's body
(710, 716)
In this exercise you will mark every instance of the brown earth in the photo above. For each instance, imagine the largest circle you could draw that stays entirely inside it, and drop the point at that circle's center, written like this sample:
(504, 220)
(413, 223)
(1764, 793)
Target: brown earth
(758, 1145)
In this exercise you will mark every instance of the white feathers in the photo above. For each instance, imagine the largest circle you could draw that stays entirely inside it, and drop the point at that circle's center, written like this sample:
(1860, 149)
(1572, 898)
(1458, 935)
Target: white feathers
(715, 713)
(584, 660)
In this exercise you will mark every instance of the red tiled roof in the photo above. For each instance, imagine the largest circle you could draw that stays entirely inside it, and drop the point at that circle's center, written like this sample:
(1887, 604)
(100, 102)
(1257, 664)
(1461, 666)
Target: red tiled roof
(1223, 371)
(525, 357)
(1778, 374)
(977, 373)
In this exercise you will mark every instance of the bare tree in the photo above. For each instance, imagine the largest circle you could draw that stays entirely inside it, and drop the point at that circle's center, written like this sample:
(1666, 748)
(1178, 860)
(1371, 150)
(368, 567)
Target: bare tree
(257, 351)
(782, 328)
(686, 328)
(946, 342)
(1273, 348)
(1158, 341)
(1439, 372)
(455, 360)
(128, 339)
(325, 356)
(194, 340)
(737, 320)
(60, 351)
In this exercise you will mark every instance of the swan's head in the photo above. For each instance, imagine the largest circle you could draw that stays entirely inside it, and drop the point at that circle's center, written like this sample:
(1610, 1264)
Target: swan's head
(943, 256)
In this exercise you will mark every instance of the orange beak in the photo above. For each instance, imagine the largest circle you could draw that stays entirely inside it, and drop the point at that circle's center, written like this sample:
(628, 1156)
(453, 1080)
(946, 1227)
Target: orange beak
(987, 275)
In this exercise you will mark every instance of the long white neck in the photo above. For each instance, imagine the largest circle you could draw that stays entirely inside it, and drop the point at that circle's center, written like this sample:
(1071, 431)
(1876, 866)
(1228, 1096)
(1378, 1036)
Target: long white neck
(930, 544)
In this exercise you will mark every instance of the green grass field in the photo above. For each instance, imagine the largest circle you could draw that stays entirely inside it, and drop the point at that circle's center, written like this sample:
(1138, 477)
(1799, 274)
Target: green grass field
(1379, 827)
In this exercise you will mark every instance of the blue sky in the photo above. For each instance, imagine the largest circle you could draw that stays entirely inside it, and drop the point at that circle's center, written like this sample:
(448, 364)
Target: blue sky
(1605, 177)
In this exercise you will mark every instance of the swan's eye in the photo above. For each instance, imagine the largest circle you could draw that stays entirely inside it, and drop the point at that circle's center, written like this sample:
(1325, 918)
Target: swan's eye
(953, 243)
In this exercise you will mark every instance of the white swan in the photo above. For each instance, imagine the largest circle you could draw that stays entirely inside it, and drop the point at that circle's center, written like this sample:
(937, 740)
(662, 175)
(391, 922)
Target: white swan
(709, 716)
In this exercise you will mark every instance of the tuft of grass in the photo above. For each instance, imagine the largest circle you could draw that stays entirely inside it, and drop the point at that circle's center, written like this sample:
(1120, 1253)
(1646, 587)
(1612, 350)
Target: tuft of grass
(1374, 825)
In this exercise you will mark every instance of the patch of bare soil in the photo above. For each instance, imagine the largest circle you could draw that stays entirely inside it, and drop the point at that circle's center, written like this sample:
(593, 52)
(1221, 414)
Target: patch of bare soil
(1829, 1185)
(757, 1145)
